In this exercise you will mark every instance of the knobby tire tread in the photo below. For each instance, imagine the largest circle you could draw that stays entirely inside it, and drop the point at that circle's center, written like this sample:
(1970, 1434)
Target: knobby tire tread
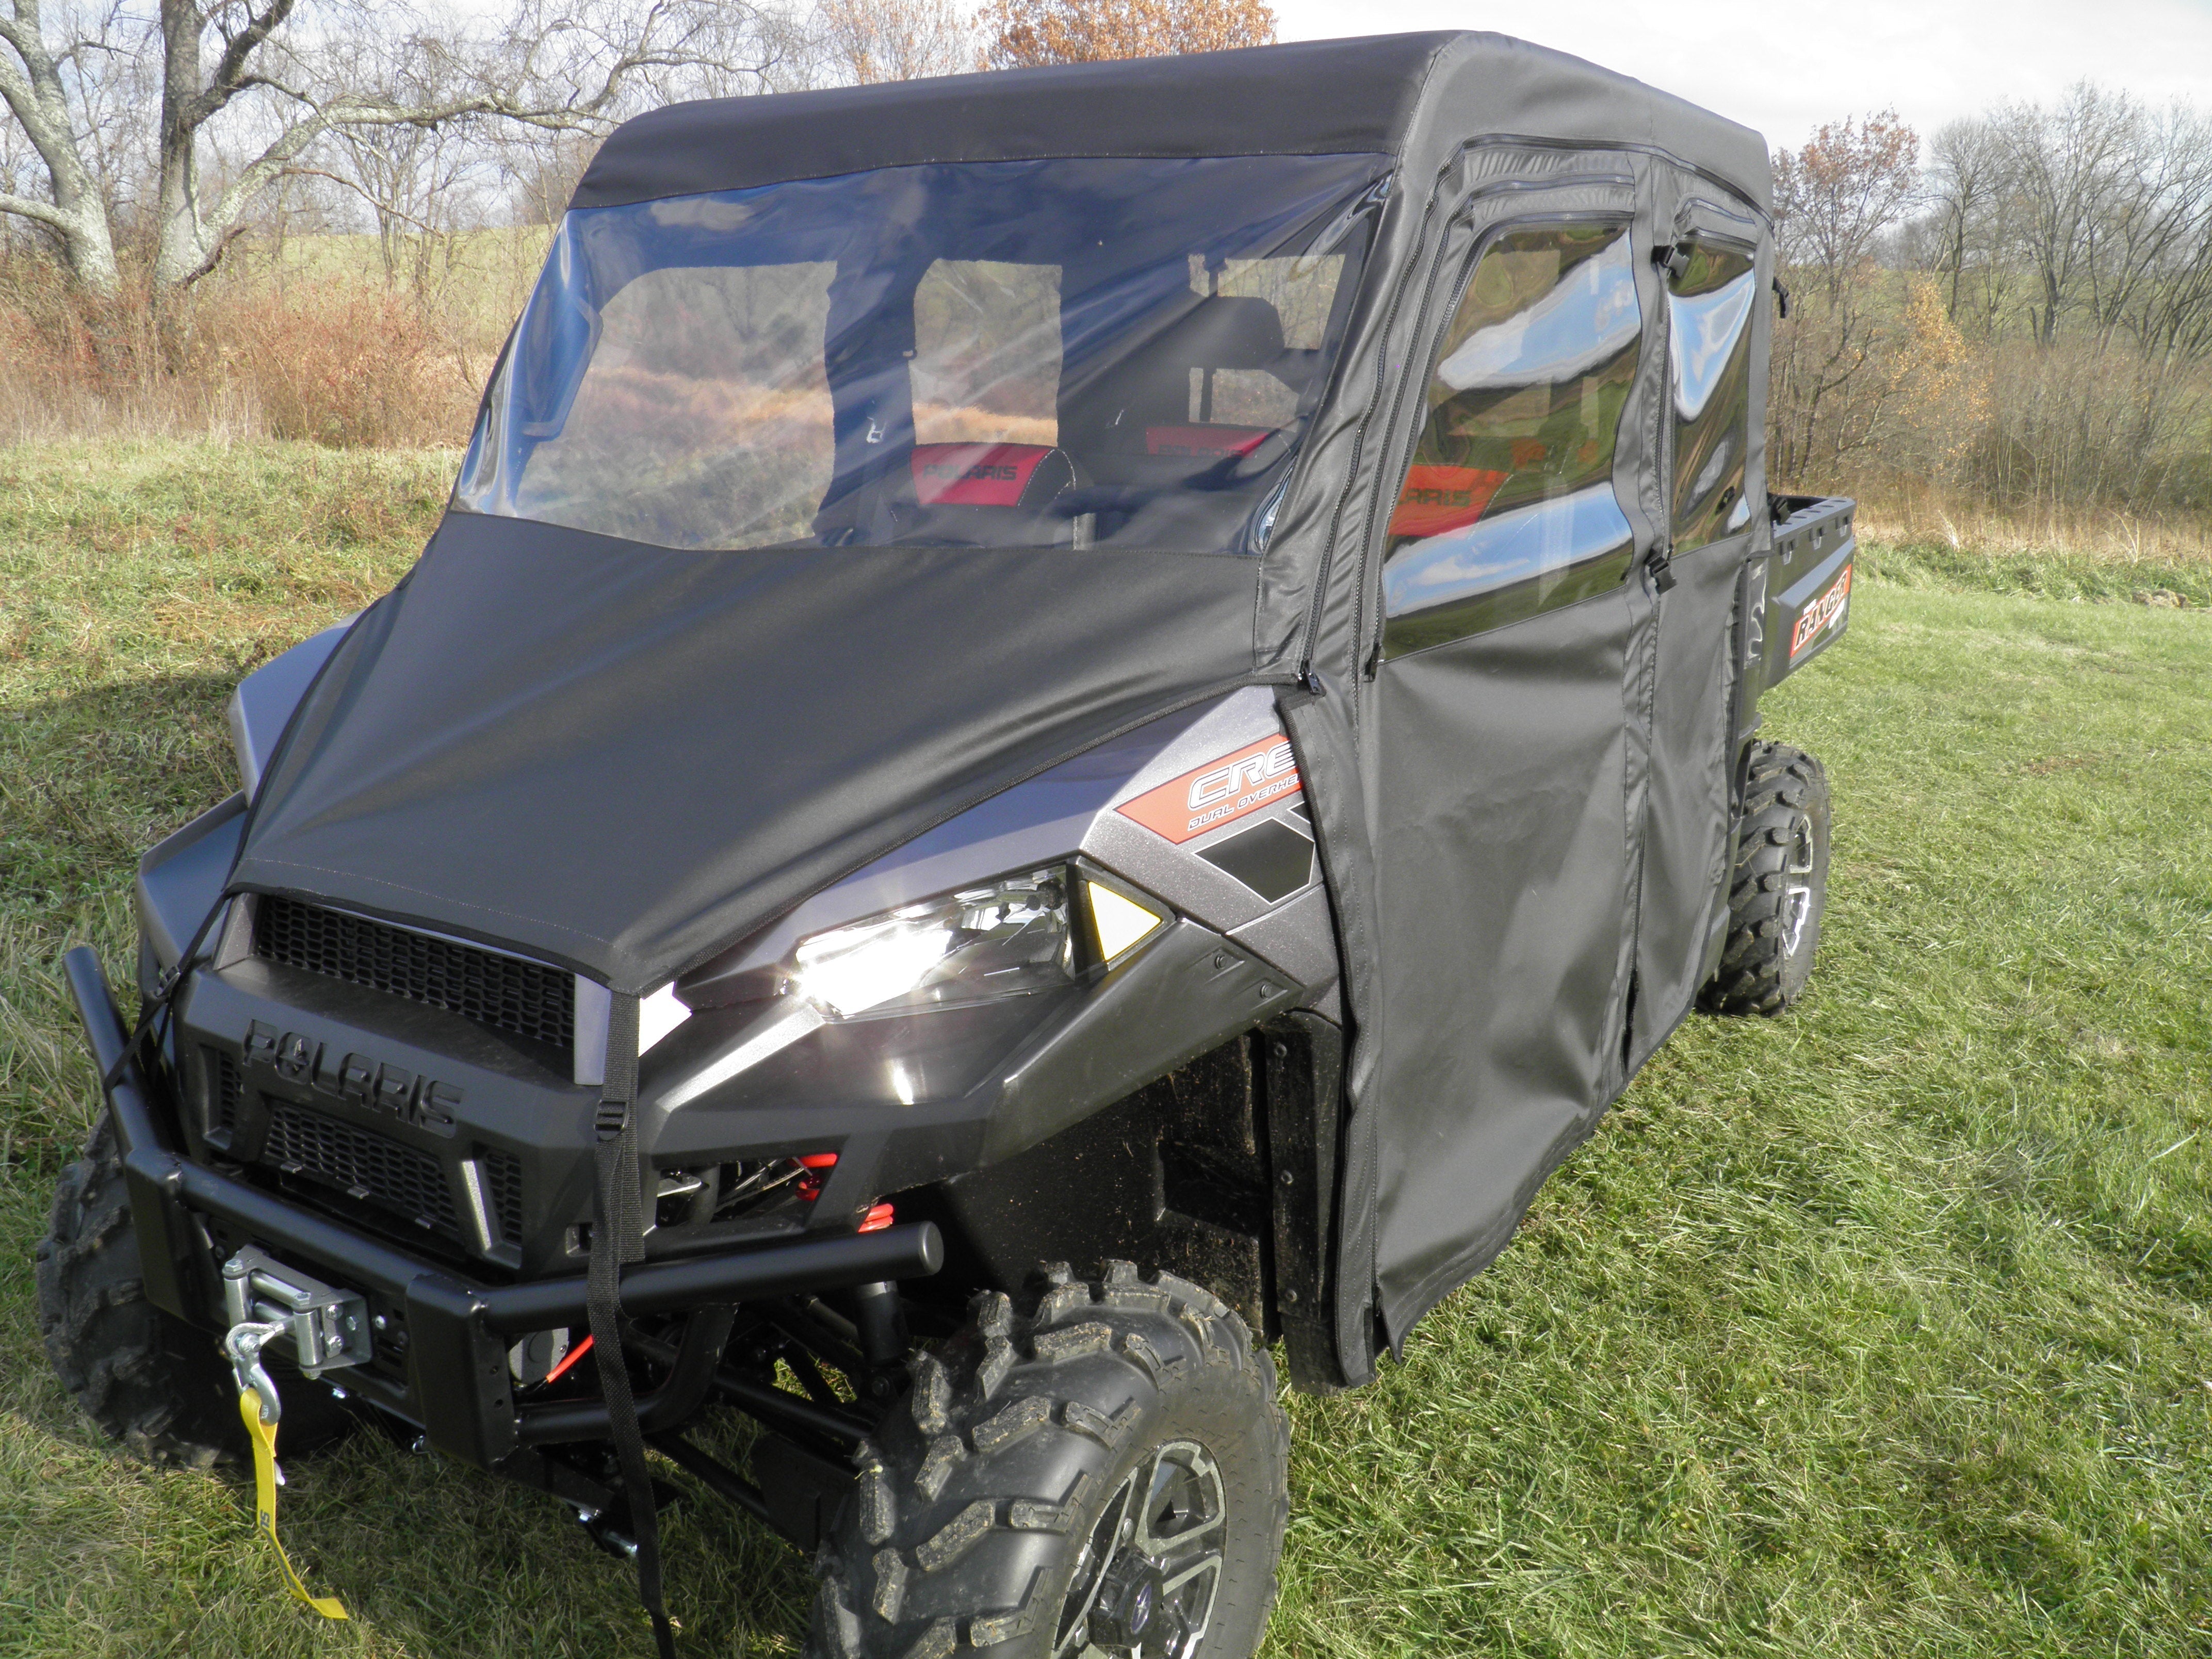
(148, 1380)
(980, 1487)
(1782, 783)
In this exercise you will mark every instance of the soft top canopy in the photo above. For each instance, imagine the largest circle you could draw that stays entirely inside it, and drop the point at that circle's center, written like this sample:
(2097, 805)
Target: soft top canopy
(1411, 94)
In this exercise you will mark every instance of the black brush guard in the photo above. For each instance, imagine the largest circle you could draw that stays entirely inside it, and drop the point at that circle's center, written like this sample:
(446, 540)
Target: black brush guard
(458, 1389)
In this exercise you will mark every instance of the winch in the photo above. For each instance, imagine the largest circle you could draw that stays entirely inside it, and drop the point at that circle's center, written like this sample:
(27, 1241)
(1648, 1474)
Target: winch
(329, 1327)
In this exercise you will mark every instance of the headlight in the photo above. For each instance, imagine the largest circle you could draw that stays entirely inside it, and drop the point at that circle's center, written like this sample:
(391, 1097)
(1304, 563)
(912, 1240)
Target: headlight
(998, 939)
(1010, 937)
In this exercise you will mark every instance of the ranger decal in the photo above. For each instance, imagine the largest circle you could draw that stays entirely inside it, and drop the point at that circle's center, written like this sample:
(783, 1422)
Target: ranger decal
(1814, 621)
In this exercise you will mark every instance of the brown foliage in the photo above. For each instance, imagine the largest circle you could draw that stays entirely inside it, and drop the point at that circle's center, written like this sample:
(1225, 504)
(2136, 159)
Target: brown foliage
(1853, 355)
(2051, 354)
(1023, 34)
(332, 363)
(1836, 198)
(352, 368)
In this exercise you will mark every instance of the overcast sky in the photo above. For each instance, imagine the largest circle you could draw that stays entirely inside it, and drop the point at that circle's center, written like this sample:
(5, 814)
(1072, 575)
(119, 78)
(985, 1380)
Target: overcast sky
(1784, 66)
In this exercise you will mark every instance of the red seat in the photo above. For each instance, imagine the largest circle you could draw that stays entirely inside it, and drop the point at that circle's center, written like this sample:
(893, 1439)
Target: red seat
(1205, 441)
(990, 475)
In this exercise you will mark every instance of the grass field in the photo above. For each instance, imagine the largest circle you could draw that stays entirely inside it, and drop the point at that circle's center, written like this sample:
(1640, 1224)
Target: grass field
(1879, 1329)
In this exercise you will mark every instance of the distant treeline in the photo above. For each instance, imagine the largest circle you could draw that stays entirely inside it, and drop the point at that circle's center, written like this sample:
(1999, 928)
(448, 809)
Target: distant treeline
(2024, 315)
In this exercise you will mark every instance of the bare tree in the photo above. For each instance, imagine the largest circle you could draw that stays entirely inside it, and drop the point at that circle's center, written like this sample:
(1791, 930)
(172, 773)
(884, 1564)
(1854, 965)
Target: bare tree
(541, 170)
(36, 76)
(1845, 357)
(1021, 34)
(289, 77)
(416, 180)
(2153, 217)
(2069, 168)
(1970, 190)
(864, 42)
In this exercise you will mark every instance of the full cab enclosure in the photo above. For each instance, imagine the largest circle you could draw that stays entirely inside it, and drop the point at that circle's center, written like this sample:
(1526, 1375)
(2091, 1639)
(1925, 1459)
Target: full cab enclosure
(1015, 660)
(623, 752)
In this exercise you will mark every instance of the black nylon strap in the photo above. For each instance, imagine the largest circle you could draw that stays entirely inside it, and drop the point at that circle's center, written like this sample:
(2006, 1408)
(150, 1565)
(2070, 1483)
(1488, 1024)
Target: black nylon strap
(618, 1236)
(165, 992)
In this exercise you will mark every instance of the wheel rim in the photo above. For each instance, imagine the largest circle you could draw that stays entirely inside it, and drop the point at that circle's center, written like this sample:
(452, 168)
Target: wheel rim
(1144, 1585)
(1797, 884)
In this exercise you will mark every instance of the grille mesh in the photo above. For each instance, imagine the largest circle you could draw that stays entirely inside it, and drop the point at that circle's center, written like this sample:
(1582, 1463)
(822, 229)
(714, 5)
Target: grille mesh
(365, 1164)
(524, 999)
(227, 1088)
(503, 1174)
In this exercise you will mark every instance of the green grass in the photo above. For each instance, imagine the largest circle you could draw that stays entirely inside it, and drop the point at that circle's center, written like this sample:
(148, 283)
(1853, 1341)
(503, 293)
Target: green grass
(1879, 1329)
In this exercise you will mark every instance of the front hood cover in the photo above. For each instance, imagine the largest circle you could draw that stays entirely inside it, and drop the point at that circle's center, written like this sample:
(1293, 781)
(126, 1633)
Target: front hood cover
(622, 758)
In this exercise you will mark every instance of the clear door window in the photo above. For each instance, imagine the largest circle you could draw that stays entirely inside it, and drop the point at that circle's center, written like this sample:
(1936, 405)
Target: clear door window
(1508, 508)
(1709, 318)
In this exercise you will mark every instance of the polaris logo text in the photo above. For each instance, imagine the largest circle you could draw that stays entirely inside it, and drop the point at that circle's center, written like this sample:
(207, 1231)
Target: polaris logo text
(304, 1062)
(988, 472)
(1817, 615)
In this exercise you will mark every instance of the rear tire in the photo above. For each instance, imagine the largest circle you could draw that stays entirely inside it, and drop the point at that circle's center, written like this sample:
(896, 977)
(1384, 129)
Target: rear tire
(152, 1382)
(1779, 888)
(1107, 1469)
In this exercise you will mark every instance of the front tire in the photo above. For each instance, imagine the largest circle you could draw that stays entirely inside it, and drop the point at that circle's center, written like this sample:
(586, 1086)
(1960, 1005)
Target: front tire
(1103, 1472)
(152, 1382)
(1780, 885)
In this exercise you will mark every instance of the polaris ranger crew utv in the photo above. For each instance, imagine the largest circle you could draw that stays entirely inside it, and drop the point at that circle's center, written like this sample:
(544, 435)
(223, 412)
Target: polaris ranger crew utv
(1148, 666)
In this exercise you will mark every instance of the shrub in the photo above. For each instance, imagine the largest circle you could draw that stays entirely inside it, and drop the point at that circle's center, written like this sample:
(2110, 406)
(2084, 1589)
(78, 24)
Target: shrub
(343, 364)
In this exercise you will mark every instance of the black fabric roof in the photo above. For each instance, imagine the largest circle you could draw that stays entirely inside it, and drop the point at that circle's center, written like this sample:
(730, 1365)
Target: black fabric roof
(1316, 97)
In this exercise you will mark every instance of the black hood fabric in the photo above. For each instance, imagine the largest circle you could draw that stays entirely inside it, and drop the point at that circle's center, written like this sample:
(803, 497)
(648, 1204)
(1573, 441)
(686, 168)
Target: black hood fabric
(623, 758)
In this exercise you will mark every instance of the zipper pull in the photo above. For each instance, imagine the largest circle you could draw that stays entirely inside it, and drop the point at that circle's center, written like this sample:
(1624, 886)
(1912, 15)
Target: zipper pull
(1660, 562)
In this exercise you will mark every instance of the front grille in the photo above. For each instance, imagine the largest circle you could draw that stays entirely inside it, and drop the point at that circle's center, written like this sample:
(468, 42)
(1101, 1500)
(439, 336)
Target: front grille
(524, 998)
(362, 1163)
(503, 1174)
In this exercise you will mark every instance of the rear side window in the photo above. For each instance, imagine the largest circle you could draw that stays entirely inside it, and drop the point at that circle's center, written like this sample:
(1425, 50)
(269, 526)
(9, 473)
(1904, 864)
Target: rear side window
(1709, 318)
(1508, 508)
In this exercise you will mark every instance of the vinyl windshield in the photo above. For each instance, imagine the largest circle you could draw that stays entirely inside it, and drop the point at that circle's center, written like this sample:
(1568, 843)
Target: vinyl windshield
(1065, 352)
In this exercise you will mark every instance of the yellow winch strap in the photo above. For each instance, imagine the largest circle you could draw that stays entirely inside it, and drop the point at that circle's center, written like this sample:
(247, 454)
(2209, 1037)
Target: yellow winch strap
(264, 1436)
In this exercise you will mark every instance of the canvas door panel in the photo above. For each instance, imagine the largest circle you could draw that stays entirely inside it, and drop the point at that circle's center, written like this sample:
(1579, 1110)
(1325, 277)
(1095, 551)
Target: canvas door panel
(1503, 835)
(1714, 489)
(1507, 747)
(1687, 812)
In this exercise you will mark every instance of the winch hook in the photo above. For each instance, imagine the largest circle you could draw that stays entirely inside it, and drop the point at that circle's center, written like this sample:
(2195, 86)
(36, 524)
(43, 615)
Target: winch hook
(242, 1346)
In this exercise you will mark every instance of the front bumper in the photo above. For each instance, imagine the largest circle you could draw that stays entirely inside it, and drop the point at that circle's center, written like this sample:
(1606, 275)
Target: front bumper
(452, 1332)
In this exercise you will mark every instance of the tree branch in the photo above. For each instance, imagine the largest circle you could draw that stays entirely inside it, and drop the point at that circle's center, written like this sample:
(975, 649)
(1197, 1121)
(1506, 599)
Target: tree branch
(384, 208)
(229, 76)
(25, 207)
